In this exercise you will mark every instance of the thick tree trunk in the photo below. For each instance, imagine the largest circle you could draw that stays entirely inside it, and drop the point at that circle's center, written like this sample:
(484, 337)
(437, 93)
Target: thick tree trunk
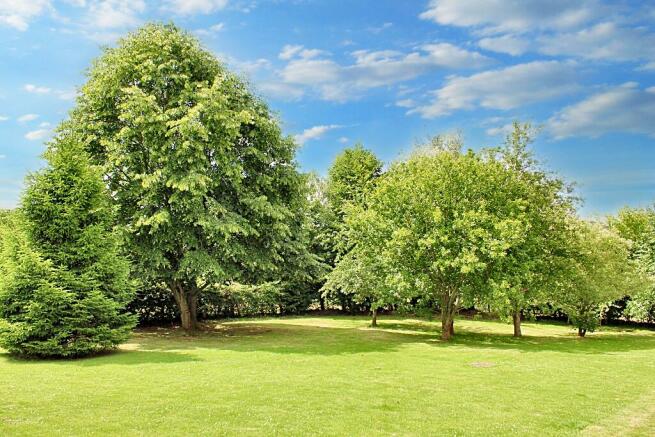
(322, 303)
(581, 332)
(374, 317)
(516, 318)
(187, 303)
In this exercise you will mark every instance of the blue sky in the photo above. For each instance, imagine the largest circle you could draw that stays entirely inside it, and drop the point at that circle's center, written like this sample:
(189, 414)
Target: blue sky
(386, 73)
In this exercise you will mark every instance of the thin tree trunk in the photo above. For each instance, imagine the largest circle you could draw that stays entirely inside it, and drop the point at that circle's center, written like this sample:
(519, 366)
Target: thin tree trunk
(516, 318)
(581, 332)
(446, 325)
(447, 315)
(374, 317)
(193, 309)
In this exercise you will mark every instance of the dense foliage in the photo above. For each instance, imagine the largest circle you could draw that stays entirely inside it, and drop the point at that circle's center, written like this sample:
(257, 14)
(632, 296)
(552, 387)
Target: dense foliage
(64, 283)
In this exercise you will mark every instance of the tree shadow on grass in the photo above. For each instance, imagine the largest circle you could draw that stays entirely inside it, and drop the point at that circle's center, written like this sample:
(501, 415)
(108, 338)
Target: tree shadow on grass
(575, 345)
(296, 338)
(116, 357)
(279, 338)
(601, 343)
(163, 346)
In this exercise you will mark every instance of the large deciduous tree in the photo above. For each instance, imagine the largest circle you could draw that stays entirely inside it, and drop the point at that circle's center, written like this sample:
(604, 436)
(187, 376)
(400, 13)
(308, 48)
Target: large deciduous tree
(203, 180)
(64, 284)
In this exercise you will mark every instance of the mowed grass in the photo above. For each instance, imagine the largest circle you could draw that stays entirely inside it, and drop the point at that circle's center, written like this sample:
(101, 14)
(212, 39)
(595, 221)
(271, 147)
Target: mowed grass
(336, 376)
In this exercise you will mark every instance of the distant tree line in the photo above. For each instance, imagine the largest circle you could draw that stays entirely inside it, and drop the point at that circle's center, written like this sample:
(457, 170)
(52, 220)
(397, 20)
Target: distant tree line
(170, 194)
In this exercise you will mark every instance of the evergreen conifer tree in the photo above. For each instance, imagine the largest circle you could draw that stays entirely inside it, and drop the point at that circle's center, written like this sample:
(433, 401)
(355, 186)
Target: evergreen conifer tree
(64, 283)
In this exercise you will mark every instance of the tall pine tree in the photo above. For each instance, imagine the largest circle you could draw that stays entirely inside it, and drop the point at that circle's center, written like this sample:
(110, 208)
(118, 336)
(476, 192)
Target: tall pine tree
(64, 285)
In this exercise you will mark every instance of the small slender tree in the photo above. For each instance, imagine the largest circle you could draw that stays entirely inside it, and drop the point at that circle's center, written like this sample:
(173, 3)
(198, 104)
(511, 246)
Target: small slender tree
(65, 284)
(599, 271)
(361, 272)
(351, 178)
(637, 225)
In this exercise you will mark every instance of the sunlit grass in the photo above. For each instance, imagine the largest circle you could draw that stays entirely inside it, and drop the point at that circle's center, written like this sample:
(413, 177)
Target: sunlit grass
(336, 376)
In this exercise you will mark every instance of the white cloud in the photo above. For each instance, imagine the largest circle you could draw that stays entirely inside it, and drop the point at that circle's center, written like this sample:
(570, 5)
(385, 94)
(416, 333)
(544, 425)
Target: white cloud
(606, 41)
(381, 28)
(344, 140)
(588, 29)
(37, 134)
(493, 16)
(251, 67)
(66, 95)
(3, 156)
(189, 7)
(280, 90)
(505, 44)
(499, 130)
(63, 95)
(27, 117)
(18, 13)
(290, 50)
(406, 103)
(311, 71)
(506, 88)
(314, 133)
(4, 118)
(30, 88)
(211, 30)
(650, 66)
(371, 69)
(112, 14)
(625, 108)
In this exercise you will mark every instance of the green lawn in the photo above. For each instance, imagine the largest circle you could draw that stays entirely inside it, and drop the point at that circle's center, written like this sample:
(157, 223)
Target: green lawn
(336, 376)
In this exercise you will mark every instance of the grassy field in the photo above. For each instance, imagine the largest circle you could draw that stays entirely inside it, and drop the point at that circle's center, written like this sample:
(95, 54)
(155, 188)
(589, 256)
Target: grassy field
(336, 376)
